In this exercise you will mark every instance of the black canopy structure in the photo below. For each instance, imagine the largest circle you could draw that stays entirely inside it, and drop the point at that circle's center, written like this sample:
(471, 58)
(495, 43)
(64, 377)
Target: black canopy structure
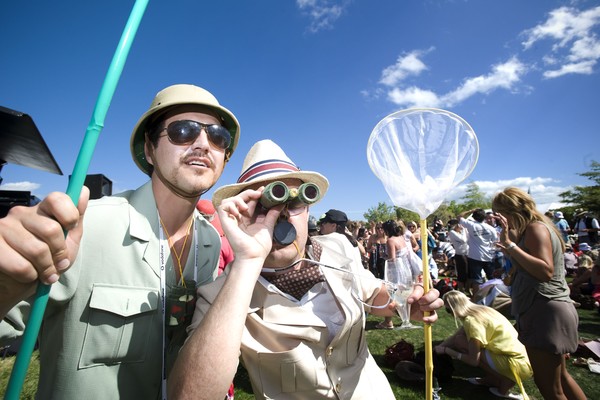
(21, 143)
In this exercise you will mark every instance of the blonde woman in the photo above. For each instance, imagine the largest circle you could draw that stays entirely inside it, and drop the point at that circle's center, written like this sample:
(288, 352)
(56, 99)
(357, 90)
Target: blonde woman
(408, 235)
(489, 341)
(546, 317)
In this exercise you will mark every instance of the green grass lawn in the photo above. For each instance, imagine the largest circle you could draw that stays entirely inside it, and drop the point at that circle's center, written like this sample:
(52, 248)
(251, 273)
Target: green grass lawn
(457, 387)
(379, 340)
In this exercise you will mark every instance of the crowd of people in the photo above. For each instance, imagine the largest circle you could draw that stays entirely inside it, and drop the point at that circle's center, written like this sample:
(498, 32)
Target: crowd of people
(158, 292)
(526, 256)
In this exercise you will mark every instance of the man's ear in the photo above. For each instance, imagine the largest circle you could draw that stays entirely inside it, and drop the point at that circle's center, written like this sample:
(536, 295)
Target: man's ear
(149, 151)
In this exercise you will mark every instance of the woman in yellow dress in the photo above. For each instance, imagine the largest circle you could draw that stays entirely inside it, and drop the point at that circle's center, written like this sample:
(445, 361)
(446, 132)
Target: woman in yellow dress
(487, 340)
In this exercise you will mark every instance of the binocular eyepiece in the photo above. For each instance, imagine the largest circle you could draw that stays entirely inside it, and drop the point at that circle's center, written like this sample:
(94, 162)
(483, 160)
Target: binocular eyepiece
(277, 192)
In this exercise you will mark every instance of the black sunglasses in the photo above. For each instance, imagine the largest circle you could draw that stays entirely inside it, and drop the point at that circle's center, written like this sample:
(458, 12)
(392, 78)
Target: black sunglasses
(185, 132)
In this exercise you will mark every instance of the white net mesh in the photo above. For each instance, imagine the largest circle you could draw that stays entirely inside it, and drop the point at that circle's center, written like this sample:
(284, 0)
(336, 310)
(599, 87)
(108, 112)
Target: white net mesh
(420, 155)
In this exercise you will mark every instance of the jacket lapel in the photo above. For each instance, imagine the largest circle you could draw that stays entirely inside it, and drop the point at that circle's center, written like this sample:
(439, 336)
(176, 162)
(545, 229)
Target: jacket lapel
(341, 283)
(143, 225)
(207, 266)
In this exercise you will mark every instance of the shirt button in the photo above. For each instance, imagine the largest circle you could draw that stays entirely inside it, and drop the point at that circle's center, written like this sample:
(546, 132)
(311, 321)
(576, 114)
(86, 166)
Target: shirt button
(329, 351)
(338, 385)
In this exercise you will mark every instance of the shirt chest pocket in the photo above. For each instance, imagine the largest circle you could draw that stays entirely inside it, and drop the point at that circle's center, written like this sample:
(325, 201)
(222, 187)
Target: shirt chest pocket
(122, 325)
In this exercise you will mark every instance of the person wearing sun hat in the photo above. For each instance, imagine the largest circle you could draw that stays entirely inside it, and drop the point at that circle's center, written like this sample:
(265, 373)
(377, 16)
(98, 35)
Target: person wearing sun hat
(562, 225)
(586, 227)
(126, 275)
(296, 318)
(584, 247)
(264, 162)
(179, 96)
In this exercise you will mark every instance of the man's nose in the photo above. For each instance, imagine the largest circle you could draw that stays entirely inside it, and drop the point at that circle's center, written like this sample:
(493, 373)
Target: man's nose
(202, 140)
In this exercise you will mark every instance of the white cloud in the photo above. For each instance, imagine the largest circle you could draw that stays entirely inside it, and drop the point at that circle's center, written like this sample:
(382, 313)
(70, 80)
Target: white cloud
(545, 191)
(550, 60)
(503, 76)
(413, 97)
(576, 48)
(584, 67)
(585, 48)
(564, 24)
(322, 13)
(406, 65)
(576, 51)
(23, 186)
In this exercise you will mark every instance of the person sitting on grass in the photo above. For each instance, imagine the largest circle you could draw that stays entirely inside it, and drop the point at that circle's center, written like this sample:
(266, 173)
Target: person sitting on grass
(487, 340)
(596, 283)
(581, 283)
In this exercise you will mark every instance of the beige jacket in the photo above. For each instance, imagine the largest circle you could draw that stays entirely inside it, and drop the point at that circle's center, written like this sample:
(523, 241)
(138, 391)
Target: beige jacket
(286, 348)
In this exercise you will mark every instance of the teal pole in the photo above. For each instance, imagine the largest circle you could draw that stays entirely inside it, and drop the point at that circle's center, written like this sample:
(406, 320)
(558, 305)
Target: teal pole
(19, 371)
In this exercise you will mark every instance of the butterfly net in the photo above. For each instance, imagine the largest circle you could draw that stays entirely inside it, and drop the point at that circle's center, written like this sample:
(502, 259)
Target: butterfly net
(420, 155)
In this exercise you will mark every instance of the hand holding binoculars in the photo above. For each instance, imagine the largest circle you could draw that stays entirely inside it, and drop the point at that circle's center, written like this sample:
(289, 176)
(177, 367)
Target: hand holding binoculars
(276, 193)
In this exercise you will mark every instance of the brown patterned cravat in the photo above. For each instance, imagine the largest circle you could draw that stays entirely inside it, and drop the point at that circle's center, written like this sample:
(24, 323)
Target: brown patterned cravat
(297, 282)
(316, 250)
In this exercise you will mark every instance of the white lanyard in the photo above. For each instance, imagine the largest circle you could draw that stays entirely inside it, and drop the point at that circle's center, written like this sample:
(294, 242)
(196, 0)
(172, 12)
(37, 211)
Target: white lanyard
(163, 292)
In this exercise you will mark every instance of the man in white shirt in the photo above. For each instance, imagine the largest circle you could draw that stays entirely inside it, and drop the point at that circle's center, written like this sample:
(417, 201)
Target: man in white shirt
(481, 238)
(457, 235)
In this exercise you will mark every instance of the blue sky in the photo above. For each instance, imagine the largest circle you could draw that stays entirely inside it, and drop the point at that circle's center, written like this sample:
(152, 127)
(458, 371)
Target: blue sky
(316, 77)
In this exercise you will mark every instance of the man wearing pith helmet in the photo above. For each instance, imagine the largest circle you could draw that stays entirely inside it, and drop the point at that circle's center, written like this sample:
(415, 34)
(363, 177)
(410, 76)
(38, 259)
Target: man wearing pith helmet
(125, 278)
(295, 315)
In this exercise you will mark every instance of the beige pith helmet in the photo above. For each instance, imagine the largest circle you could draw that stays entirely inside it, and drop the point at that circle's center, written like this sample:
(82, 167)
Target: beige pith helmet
(179, 95)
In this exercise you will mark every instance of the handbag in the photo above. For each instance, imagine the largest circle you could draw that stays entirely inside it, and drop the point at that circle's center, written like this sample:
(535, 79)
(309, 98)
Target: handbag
(400, 351)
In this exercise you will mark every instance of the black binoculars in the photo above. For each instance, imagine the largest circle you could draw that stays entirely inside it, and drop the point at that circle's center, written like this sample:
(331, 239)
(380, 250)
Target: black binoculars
(277, 192)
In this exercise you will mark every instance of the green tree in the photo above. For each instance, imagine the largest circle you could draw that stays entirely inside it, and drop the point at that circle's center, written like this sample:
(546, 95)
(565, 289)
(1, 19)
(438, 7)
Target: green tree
(382, 212)
(445, 212)
(454, 208)
(586, 197)
(406, 215)
(475, 198)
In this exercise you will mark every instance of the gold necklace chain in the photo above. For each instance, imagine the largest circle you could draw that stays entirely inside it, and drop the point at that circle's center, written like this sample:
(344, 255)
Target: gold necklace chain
(174, 250)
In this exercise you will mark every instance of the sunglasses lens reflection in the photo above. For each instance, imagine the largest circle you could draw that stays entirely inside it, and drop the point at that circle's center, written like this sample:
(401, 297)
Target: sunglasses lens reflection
(186, 132)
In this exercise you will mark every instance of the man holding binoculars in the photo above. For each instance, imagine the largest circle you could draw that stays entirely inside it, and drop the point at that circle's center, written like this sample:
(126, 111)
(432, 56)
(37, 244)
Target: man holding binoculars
(296, 318)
